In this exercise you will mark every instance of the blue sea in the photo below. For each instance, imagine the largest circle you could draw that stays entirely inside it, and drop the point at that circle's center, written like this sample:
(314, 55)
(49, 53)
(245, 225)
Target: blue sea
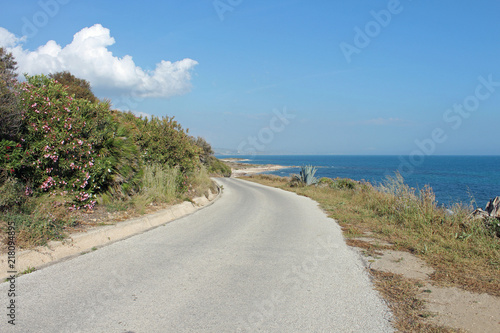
(466, 179)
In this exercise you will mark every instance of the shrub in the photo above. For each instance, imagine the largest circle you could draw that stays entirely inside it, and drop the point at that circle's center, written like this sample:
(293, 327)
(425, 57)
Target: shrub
(217, 167)
(326, 182)
(205, 149)
(200, 182)
(79, 88)
(10, 112)
(11, 193)
(344, 184)
(163, 141)
(66, 145)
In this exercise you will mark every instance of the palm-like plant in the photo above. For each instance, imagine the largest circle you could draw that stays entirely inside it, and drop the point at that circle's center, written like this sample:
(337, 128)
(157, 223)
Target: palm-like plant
(306, 176)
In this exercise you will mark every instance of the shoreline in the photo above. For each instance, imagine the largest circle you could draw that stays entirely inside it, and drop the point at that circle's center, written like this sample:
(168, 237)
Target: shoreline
(236, 172)
(458, 185)
(239, 169)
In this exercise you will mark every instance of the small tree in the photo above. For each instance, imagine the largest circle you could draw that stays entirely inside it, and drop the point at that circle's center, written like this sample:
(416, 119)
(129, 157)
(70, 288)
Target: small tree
(206, 149)
(10, 112)
(79, 87)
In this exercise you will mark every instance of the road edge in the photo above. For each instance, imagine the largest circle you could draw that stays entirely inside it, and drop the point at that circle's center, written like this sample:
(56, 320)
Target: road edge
(79, 243)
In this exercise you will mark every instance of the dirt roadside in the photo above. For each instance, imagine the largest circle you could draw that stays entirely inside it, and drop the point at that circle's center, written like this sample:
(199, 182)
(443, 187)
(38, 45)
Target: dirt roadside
(445, 306)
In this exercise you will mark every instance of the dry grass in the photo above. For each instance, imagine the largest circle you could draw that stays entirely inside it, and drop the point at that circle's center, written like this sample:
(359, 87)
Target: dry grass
(409, 311)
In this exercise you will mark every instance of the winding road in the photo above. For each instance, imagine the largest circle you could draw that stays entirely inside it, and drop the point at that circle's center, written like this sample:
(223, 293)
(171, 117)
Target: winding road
(257, 259)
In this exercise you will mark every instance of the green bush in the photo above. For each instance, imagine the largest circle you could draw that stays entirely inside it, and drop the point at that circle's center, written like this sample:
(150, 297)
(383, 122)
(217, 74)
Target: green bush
(79, 88)
(164, 141)
(11, 193)
(217, 168)
(60, 142)
(344, 184)
(10, 112)
(67, 145)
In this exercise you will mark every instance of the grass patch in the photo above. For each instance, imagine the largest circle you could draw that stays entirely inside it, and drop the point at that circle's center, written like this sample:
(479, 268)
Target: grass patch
(38, 220)
(27, 271)
(201, 183)
(159, 185)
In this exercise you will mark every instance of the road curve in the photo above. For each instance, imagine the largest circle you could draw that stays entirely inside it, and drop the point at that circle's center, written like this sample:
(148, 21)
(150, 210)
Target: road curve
(258, 259)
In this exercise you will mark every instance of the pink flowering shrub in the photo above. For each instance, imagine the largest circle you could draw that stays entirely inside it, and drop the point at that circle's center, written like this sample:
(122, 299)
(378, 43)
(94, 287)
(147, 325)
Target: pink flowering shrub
(76, 148)
(62, 146)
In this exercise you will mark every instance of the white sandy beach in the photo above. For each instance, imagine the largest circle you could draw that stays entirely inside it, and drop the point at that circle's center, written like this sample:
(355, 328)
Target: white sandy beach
(239, 172)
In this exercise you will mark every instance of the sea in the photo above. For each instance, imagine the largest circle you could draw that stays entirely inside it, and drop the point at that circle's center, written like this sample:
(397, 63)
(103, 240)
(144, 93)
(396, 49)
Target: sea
(454, 179)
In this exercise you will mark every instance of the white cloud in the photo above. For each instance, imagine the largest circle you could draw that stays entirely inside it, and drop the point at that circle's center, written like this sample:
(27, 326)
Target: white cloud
(88, 57)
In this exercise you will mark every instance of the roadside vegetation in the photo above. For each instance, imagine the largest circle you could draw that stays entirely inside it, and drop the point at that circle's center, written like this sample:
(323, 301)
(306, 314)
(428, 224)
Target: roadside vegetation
(464, 251)
(67, 157)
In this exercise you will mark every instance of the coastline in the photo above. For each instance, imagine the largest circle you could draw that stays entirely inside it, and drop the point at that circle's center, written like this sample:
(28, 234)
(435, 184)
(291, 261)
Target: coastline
(473, 179)
(239, 169)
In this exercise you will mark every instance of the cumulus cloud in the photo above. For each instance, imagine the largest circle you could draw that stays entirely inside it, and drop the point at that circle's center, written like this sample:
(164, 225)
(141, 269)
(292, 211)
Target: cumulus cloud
(88, 57)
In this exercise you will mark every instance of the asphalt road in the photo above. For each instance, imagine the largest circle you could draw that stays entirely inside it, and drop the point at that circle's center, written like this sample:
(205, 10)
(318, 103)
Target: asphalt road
(258, 259)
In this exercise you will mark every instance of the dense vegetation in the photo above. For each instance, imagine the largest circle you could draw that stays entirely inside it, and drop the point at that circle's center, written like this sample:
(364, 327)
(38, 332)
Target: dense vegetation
(63, 150)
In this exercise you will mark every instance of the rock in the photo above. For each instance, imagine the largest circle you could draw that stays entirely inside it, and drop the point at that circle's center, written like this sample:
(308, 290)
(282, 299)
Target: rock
(479, 213)
(493, 207)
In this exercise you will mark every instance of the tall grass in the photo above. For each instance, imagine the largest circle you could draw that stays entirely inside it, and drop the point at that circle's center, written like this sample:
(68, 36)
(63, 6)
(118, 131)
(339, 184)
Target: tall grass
(200, 182)
(159, 185)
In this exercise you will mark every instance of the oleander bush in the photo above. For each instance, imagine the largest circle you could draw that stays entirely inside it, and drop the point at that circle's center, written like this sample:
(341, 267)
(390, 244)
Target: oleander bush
(63, 145)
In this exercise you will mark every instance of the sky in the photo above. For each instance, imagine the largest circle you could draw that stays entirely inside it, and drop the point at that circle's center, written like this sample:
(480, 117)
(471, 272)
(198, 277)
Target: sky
(408, 77)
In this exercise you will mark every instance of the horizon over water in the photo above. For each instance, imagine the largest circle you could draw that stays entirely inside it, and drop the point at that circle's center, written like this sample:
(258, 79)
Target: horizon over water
(453, 178)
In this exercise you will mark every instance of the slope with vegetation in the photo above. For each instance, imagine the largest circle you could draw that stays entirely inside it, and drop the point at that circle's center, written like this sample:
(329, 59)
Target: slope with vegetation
(64, 152)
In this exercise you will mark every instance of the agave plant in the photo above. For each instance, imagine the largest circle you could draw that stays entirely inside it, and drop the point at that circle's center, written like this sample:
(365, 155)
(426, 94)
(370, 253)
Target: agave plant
(306, 176)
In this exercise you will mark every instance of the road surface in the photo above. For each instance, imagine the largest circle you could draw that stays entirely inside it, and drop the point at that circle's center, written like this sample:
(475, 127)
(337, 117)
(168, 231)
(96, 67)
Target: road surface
(258, 259)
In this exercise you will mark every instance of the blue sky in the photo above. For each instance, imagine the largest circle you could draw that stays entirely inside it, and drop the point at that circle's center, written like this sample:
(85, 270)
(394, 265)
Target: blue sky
(420, 78)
